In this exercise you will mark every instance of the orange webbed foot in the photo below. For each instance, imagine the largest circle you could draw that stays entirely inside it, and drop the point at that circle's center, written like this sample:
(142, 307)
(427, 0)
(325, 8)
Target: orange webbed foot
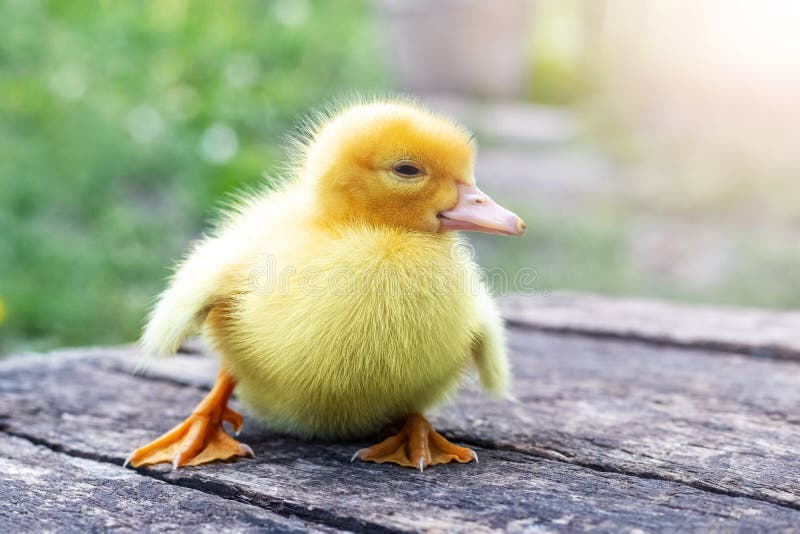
(201, 438)
(417, 445)
(198, 440)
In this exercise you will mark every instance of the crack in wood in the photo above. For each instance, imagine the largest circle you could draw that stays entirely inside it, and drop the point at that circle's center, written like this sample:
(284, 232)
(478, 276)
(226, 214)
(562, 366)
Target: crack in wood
(227, 491)
(43, 490)
(558, 456)
(719, 347)
(222, 491)
(763, 334)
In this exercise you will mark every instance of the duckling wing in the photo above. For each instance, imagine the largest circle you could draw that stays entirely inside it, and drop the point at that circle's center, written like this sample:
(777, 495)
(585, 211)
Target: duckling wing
(196, 286)
(488, 347)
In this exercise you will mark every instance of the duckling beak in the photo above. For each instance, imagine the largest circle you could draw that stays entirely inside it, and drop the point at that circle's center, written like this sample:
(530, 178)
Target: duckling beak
(475, 211)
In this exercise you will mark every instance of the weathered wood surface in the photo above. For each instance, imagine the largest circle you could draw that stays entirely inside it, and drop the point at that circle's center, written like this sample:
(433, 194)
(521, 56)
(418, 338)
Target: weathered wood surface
(757, 332)
(606, 434)
(45, 490)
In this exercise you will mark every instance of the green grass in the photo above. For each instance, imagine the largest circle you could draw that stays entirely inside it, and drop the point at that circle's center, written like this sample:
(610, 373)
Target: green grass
(104, 106)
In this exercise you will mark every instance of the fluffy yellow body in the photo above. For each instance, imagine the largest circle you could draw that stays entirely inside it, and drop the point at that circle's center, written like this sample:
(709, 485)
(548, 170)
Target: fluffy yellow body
(332, 310)
(349, 331)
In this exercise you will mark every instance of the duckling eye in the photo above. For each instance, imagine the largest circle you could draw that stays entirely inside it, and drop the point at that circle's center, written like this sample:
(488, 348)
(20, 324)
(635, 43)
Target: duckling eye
(407, 170)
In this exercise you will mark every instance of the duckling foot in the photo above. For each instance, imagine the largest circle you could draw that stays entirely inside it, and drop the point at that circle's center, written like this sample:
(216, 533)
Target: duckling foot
(417, 445)
(201, 438)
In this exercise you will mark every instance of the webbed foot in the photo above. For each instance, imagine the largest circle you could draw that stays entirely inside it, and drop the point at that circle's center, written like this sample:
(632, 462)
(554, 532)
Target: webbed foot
(417, 445)
(201, 438)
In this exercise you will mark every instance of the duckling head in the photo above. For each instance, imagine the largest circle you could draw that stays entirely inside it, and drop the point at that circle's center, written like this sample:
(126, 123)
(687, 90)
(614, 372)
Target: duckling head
(396, 164)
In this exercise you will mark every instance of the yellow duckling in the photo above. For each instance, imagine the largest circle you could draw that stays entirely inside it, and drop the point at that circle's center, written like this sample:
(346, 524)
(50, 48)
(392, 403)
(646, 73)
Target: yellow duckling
(343, 301)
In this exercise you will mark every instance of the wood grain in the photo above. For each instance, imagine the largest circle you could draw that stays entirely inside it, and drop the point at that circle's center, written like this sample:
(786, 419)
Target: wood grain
(46, 491)
(606, 435)
(721, 422)
(761, 333)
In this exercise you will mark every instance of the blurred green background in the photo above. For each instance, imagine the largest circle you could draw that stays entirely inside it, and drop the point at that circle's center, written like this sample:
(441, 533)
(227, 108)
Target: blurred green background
(124, 124)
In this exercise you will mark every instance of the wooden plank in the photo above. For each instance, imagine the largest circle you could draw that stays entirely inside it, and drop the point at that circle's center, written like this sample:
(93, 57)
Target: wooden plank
(46, 491)
(762, 333)
(88, 408)
(721, 422)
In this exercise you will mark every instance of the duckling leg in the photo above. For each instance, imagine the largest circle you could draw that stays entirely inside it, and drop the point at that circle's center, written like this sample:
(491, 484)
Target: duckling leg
(201, 438)
(417, 445)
